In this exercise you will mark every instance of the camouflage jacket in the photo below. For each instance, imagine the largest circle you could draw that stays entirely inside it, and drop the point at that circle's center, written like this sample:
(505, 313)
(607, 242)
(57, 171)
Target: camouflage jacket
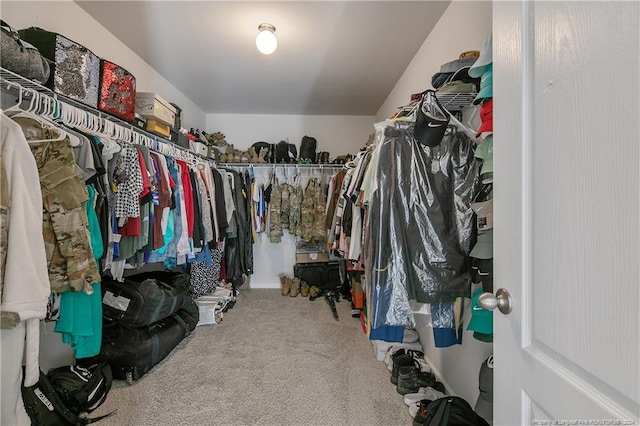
(65, 225)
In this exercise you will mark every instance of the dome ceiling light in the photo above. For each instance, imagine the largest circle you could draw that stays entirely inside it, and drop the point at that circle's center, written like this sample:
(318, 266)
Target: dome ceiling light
(266, 41)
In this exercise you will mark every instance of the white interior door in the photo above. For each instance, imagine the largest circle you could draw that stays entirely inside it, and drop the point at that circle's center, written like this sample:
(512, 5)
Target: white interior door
(566, 156)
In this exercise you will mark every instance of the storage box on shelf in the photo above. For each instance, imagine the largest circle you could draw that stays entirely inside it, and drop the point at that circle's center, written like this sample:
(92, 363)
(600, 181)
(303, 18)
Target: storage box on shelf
(75, 69)
(179, 138)
(199, 148)
(117, 91)
(18, 83)
(155, 126)
(152, 106)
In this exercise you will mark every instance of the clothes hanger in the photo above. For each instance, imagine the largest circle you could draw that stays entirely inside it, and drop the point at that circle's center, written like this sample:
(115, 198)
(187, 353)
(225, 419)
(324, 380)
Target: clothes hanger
(17, 106)
(40, 103)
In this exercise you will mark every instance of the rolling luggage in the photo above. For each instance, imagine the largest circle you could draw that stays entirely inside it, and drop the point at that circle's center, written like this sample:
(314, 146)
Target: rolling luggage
(133, 352)
(143, 299)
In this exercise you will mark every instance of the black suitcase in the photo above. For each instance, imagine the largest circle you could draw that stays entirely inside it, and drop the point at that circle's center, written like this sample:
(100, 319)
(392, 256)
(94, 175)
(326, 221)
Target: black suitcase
(143, 299)
(325, 275)
(133, 352)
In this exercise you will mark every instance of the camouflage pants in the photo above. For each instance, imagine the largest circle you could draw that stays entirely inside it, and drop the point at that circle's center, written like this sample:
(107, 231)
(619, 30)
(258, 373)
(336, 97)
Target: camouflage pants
(285, 205)
(65, 225)
(295, 199)
(308, 211)
(319, 229)
(275, 225)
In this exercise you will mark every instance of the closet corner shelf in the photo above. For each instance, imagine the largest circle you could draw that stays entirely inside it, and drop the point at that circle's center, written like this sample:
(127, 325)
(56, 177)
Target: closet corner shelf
(456, 102)
(11, 77)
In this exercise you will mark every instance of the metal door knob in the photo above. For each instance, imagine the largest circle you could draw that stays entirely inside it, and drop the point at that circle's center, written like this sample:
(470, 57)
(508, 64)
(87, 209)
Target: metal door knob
(502, 301)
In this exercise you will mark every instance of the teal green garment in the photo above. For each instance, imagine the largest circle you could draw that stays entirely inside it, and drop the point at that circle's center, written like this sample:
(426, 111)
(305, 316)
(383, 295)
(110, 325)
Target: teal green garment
(168, 235)
(80, 319)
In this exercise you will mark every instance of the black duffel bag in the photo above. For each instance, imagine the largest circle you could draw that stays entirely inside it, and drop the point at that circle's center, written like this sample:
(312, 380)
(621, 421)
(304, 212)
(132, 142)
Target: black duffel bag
(133, 352)
(144, 299)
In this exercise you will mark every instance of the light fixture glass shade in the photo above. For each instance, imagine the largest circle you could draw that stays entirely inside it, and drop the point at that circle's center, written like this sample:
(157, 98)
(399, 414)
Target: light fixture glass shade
(266, 41)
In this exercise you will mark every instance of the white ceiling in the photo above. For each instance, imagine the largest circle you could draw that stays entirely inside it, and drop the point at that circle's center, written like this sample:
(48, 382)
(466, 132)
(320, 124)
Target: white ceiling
(333, 57)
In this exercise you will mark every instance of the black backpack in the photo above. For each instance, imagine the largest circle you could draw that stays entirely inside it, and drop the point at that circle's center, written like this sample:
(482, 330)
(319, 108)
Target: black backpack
(308, 148)
(452, 411)
(66, 395)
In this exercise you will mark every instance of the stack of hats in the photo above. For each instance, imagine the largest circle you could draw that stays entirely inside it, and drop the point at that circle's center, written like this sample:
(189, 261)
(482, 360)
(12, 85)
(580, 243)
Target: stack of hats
(482, 253)
(456, 70)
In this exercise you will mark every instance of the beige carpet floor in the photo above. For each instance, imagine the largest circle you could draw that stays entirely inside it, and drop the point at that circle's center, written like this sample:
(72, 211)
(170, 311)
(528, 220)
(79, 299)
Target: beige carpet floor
(273, 360)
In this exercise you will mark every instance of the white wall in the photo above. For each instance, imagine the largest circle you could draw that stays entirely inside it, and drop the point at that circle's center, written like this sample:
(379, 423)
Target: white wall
(463, 26)
(67, 18)
(338, 134)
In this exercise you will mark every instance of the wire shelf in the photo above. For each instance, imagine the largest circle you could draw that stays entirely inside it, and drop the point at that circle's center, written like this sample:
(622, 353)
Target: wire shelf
(456, 102)
(10, 77)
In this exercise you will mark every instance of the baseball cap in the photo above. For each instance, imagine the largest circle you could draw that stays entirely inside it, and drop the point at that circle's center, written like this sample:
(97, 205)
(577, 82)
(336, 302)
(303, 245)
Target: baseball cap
(486, 109)
(486, 85)
(485, 58)
(484, 404)
(481, 319)
(428, 129)
(484, 211)
(486, 126)
(449, 69)
(484, 246)
(484, 151)
(485, 113)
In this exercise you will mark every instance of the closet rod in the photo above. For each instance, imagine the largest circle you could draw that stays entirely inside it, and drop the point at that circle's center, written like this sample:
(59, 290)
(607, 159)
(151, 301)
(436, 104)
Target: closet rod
(285, 165)
(105, 120)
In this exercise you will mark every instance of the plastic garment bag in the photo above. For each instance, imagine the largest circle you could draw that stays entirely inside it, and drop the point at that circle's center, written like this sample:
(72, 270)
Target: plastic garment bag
(420, 224)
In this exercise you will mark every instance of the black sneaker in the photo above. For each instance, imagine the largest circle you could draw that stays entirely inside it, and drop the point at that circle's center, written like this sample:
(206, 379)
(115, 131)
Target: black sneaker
(411, 379)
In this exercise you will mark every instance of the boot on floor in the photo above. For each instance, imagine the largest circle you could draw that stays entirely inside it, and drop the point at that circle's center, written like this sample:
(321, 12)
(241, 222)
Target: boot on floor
(294, 287)
(304, 289)
(285, 287)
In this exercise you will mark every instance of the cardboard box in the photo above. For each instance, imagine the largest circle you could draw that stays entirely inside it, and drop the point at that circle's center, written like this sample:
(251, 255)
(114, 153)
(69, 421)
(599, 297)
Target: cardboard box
(155, 126)
(151, 105)
(199, 148)
(312, 257)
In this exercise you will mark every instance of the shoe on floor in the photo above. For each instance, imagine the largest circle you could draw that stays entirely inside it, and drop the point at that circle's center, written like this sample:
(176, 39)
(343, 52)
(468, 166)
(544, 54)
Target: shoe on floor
(393, 352)
(284, 285)
(294, 287)
(402, 356)
(411, 399)
(304, 289)
(411, 379)
(419, 411)
(401, 361)
(410, 335)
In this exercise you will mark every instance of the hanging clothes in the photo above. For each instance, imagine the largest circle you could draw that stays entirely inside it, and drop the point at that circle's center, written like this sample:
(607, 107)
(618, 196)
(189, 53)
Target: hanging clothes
(71, 264)
(295, 202)
(80, 319)
(421, 222)
(275, 213)
(319, 231)
(24, 282)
